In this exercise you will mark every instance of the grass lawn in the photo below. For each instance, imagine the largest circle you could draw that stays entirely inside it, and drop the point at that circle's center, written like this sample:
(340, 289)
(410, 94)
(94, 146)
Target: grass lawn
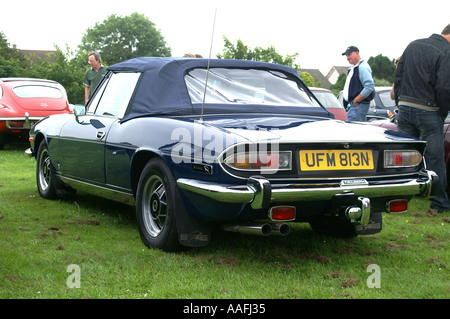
(90, 248)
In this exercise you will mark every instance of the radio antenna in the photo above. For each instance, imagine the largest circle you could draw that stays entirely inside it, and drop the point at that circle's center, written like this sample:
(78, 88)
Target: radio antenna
(209, 60)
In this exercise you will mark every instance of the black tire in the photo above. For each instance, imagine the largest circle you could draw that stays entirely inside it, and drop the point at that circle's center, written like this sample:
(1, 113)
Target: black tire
(2, 141)
(156, 205)
(45, 173)
(334, 227)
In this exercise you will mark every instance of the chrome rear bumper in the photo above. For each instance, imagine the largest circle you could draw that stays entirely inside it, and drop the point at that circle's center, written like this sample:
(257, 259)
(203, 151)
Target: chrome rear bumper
(26, 119)
(259, 192)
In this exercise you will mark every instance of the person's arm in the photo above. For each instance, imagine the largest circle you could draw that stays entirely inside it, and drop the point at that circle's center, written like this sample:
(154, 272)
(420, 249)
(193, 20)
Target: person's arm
(358, 99)
(397, 79)
(365, 76)
(86, 94)
(87, 87)
(443, 84)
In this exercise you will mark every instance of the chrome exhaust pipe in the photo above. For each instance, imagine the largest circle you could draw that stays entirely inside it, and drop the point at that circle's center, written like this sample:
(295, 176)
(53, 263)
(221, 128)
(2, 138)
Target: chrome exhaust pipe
(281, 229)
(250, 229)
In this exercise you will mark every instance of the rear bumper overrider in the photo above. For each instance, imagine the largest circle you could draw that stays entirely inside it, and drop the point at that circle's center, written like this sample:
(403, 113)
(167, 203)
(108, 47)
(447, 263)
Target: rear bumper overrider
(259, 192)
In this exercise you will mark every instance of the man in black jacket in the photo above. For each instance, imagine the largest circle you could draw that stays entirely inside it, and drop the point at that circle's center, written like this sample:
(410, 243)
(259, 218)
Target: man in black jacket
(422, 92)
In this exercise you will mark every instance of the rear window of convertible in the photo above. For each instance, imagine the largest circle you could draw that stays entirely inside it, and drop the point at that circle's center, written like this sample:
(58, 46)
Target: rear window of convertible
(246, 86)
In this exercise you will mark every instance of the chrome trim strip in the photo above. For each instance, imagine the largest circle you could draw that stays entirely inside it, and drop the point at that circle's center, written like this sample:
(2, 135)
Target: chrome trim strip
(118, 195)
(26, 122)
(23, 118)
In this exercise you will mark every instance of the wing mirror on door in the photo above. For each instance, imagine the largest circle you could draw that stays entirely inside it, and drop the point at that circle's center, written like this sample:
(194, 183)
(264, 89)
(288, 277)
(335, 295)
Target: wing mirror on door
(79, 110)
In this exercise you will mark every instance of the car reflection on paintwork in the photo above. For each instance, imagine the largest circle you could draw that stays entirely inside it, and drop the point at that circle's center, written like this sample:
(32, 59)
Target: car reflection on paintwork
(197, 144)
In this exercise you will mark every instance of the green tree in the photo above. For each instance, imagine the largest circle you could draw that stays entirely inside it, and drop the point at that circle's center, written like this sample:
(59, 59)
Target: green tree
(307, 78)
(339, 85)
(382, 68)
(121, 38)
(66, 68)
(12, 62)
(240, 51)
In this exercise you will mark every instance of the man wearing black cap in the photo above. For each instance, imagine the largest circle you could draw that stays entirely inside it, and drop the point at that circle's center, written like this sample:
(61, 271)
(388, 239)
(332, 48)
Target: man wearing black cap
(422, 93)
(359, 86)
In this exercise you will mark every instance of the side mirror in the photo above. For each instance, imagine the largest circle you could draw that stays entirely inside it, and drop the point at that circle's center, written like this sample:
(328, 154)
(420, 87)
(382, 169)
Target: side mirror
(79, 110)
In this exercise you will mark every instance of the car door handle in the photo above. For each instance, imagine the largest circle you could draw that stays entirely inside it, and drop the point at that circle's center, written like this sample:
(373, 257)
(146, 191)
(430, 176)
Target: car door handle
(100, 135)
(119, 152)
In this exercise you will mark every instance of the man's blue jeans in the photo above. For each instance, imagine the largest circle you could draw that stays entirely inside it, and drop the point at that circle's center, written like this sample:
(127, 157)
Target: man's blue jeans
(429, 126)
(358, 113)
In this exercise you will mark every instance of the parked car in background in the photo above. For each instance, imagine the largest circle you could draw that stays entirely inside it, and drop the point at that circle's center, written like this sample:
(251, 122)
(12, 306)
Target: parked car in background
(379, 106)
(24, 101)
(331, 103)
(198, 144)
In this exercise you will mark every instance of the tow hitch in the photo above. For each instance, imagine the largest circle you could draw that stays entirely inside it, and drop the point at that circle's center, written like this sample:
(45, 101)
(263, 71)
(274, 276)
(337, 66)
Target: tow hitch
(360, 212)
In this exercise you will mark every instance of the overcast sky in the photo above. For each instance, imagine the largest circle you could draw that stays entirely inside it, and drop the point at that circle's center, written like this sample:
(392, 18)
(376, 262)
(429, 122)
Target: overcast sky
(319, 30)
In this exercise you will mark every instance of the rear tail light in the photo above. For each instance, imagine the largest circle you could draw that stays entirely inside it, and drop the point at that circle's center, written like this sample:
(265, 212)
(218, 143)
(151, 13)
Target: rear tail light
(402, 158)
(397, 206)
(69, 107)
(15, 125)
(260, 161)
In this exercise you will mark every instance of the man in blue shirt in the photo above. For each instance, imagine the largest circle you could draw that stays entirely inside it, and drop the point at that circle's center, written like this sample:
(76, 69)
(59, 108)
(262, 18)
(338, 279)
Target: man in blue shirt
(359, 86)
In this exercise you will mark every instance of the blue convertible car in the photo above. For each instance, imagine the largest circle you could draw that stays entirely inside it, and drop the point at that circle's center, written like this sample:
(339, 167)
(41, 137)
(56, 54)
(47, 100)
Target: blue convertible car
(244, 145)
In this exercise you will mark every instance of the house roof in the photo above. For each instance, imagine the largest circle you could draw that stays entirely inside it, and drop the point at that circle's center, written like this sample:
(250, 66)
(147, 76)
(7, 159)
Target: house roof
(43, 54)
(338, 69)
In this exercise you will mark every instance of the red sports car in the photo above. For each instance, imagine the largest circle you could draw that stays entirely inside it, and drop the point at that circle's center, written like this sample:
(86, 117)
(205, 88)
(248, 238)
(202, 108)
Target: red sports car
(24, 101)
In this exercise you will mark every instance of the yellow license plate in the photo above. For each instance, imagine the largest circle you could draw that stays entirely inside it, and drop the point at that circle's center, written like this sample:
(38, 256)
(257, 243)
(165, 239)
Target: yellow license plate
(325, 160)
